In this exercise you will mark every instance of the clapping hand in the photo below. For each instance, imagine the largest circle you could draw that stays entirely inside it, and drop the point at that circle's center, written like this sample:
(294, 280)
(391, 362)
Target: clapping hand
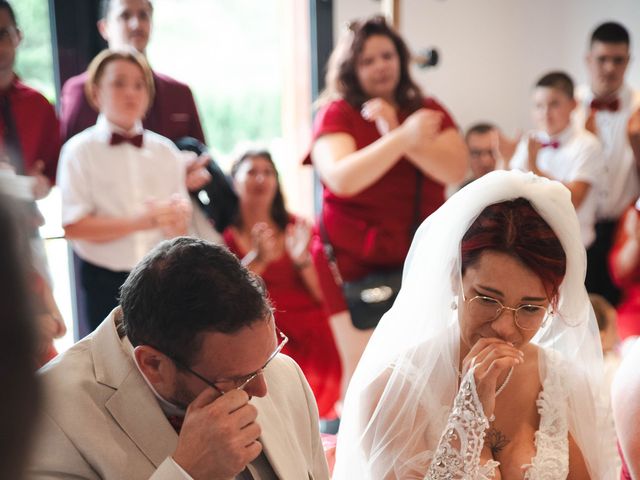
(171, 216)
(296, 241)
(504, 147)
(382, 113)
(590, 123)
(633, 127)
(264, 243)
(533, 148)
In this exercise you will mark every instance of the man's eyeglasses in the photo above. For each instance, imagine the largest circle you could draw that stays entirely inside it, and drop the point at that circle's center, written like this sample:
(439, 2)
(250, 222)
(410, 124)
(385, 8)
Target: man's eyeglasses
(224, 385)
(526, 317)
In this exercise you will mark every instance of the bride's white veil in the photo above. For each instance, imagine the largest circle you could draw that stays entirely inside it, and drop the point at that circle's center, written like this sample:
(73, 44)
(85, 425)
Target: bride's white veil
(400, 396)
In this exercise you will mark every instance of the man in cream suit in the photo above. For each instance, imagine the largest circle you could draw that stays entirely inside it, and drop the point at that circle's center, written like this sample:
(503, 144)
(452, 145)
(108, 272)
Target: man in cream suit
(183, 381)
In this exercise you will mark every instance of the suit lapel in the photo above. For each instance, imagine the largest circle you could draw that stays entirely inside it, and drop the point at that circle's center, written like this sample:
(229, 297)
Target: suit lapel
(283, 454)
(136, 410)
(133, 405)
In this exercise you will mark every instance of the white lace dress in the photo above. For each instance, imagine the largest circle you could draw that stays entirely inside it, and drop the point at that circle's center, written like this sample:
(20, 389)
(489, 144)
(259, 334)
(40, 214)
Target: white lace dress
(458, 453)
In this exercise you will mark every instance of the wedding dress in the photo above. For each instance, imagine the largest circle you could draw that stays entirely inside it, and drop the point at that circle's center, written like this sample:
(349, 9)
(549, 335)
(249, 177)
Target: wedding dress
(405, 415)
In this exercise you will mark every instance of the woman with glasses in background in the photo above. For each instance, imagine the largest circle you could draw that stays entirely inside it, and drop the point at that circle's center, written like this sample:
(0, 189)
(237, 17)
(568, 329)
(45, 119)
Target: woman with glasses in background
(489, 363)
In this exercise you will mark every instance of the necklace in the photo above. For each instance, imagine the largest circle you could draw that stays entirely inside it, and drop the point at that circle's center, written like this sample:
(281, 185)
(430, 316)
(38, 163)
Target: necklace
(504, 384)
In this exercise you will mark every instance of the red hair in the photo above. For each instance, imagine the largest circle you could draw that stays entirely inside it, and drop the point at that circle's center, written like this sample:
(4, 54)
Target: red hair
(515, 228)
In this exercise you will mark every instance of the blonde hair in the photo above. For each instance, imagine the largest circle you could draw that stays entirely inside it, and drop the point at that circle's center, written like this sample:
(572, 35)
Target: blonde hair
(96, 68)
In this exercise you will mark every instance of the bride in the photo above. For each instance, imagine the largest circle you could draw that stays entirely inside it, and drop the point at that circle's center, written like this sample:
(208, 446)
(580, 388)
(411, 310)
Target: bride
(488, 365)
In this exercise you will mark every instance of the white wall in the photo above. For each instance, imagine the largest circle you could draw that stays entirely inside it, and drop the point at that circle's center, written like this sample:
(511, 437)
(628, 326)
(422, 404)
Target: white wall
(492, 51)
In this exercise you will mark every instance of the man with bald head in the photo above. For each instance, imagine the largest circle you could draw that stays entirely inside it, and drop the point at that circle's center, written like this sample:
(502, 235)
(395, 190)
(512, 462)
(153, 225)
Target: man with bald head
(173, 114)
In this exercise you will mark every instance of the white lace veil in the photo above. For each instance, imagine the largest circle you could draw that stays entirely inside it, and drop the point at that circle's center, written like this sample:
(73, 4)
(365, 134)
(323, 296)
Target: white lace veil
(395, 437)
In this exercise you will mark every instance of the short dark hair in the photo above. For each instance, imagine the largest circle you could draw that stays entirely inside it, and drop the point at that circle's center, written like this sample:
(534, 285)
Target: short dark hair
(610, 32)
(6, 6)
(103, 9)
(557, 80)
(184, 287)
(279, 212)
(479, 129)
(342, 80)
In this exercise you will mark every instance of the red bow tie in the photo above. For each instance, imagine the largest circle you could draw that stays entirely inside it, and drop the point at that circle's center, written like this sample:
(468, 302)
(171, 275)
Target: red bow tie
(555, 144)
(117, 139)
(611, 105)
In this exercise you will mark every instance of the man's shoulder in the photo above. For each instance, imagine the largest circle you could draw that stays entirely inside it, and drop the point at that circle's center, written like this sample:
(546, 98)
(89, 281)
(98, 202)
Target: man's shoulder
(166, 82)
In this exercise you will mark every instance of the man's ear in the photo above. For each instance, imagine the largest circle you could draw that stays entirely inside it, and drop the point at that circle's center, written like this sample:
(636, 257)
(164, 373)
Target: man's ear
(102, 29)
(155, 366)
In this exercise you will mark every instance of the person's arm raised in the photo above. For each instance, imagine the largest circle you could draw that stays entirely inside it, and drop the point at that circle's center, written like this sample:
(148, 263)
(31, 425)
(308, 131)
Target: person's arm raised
(442, 155)
(347, 171)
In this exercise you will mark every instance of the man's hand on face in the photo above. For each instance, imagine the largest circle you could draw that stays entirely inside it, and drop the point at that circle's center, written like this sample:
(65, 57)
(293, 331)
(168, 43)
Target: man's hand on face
(219, 436)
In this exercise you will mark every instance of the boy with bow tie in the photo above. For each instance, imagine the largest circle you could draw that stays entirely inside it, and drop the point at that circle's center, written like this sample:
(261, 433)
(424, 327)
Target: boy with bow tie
(123, 187)
(562, 151)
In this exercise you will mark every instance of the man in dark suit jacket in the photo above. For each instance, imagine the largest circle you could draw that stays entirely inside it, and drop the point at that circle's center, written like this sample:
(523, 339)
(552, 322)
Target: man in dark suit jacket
(173, 114)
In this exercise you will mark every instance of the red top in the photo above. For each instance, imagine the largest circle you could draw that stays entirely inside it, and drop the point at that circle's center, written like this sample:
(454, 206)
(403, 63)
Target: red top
(371, 230)
(172, 114)
(629, 307)
(304, 321)
(37, 127)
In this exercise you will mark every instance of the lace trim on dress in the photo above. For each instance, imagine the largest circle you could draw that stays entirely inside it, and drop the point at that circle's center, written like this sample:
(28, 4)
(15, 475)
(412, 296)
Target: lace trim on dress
(551, 461)
(458, 453)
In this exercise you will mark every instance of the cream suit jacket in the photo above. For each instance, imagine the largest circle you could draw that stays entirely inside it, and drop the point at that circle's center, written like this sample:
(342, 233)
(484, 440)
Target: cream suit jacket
(101, 420)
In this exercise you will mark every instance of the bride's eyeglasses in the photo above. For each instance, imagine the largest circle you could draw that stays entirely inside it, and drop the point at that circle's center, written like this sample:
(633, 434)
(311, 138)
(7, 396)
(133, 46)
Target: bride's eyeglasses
(526, 317)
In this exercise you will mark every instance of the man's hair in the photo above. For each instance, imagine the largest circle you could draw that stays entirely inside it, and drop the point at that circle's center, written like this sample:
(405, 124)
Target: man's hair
(184, 287)
(557, 80)
(479, 129)
(6, 6)
(610, 32)
(105, 5)
(99, 64)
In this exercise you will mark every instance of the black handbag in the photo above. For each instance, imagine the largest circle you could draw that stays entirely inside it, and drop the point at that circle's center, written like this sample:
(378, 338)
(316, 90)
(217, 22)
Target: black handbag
(369, 298)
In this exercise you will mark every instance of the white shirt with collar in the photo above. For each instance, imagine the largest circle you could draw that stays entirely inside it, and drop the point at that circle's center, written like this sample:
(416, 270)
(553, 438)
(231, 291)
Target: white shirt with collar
(620, 185)
(578, 158)
(96, 178)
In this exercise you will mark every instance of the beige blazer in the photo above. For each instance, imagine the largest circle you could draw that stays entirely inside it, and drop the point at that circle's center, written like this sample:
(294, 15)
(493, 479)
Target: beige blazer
(101, 420)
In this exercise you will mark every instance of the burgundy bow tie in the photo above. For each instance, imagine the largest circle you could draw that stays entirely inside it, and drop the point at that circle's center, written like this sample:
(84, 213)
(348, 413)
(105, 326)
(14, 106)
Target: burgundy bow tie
(611, 105)
(176, 422)
(117, 139)
(555, 144)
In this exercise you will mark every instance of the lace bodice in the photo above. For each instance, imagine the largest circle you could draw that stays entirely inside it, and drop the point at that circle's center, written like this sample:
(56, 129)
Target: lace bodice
(458, 453)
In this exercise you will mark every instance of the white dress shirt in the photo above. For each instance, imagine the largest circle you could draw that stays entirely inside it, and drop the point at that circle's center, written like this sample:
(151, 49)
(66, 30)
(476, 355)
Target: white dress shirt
(99, 179)
(578, 158)
(620, 185)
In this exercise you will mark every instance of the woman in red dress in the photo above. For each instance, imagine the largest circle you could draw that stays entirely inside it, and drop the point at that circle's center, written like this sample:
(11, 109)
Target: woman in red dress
(624, 263)
(275, 245)
(384, 152)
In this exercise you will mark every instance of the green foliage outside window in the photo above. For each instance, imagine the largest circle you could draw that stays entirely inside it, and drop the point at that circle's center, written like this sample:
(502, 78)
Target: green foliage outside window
(34, 59)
